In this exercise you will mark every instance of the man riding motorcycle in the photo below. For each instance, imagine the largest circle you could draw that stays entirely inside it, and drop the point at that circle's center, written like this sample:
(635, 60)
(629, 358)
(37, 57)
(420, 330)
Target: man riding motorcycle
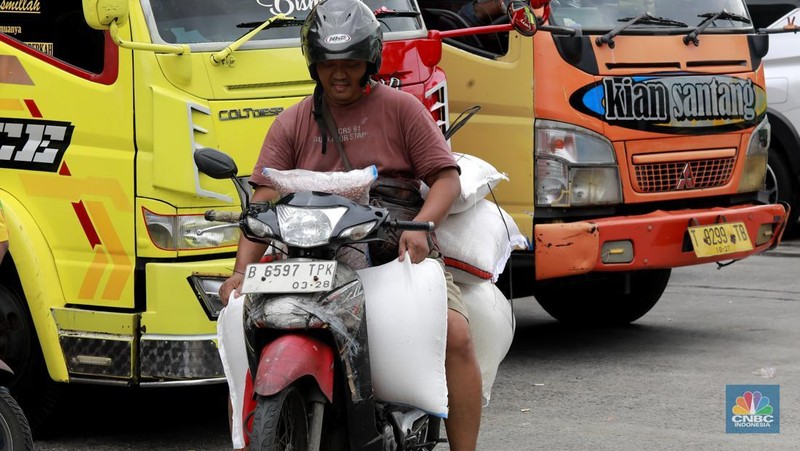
(342, 42)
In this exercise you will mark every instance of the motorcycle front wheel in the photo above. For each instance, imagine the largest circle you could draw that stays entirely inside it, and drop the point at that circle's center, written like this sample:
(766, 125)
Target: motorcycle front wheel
(280, 422)
(15, 435)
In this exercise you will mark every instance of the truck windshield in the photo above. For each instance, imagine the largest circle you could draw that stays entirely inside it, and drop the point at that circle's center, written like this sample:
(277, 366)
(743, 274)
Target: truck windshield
(604, 15)
(220, 21)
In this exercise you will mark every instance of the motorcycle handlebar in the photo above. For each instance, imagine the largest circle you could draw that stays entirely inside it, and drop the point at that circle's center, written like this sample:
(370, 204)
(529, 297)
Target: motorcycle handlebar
(222, 216)
(413, 225)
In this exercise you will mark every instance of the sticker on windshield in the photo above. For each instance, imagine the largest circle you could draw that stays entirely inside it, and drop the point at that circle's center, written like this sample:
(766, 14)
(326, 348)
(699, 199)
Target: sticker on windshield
(338, 38)
(287, 7)
(674, 104)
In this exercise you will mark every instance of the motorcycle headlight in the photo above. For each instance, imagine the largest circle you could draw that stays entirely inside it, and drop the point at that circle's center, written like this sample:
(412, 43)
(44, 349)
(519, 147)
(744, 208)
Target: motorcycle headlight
(307, 227)
(357, 232)
(259, 228)
(574, 167)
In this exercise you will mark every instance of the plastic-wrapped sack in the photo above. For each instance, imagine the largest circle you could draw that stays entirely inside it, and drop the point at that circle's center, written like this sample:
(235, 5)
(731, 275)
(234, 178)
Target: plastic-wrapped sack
(492, 325)
(407, 329)
(477, 243)
(233, 353)
(353, 185)
(477, 178)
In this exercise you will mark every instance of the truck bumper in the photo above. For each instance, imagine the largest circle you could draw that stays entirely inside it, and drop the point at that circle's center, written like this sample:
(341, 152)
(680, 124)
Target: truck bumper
(651, 241)
(173, 341)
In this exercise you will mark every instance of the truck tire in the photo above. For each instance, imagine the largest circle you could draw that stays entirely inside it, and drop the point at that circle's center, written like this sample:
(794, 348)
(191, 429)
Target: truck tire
(15, 434)
(31, 384)
(602, 299)
(780, 187)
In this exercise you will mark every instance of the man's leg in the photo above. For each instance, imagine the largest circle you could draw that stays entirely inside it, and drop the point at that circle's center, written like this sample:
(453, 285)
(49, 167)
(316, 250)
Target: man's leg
(463, 385)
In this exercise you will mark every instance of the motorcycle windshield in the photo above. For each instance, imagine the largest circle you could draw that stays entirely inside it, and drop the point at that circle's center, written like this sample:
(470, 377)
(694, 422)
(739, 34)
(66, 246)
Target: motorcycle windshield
(210, 24)
(605, 15)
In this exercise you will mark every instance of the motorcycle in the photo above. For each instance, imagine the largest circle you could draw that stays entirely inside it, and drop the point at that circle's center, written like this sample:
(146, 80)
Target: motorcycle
(15, 433)
(305, 325)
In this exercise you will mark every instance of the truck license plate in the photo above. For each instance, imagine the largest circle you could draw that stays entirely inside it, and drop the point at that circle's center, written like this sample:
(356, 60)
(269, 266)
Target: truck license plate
(720, 239)
(289, 277)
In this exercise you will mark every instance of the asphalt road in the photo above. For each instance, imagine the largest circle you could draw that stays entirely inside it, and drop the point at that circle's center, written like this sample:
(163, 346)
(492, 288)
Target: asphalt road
(657, 384)
(660, 383)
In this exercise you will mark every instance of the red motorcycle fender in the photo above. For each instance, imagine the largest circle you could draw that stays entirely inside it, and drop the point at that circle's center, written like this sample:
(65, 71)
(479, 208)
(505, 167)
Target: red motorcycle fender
(291, 357)
(248, 407)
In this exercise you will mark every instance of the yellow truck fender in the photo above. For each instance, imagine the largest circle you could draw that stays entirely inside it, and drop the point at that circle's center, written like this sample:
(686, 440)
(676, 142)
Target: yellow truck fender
(39, 279)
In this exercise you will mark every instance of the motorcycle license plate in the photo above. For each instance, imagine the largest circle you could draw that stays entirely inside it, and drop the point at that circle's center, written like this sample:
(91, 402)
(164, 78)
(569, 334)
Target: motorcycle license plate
(289, 277)
(720, 239)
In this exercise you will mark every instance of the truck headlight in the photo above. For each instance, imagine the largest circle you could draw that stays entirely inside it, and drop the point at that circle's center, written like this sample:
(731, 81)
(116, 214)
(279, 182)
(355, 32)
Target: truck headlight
(174, 232)
(575, 167)
(755, 162)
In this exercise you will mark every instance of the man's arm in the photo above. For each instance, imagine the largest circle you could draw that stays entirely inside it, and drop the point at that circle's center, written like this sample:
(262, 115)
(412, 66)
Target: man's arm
(248, 251)
(445, 187)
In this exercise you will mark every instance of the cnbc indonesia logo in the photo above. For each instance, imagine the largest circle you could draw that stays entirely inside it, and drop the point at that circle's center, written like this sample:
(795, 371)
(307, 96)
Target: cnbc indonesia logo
(752, 410)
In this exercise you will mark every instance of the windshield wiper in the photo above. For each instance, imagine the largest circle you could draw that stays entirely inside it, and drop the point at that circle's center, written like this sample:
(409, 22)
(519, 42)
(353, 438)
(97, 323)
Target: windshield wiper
(225, 56)
(646, 19)
(709, 18)
(284, 22)
(386, 12)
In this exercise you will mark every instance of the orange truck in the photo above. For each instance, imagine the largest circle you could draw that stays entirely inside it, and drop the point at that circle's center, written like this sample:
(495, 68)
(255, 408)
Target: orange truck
(635, 137)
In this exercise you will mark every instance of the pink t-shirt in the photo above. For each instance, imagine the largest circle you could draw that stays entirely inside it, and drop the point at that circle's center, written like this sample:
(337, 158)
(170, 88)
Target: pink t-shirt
(388, 128)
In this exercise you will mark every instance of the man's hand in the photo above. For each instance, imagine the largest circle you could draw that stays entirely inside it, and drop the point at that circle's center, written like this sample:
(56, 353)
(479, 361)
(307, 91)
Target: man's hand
(248, 251)
(231, 284)
(416, 243)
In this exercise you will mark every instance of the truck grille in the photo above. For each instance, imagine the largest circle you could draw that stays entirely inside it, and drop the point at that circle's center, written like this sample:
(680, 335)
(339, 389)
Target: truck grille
(683, 175)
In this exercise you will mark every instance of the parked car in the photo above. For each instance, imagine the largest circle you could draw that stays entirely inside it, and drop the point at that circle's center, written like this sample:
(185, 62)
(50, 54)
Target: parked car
(782, 71)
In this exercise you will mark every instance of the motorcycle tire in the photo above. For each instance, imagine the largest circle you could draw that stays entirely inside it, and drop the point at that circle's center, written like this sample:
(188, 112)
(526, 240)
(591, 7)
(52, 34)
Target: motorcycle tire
(280, 422)
(15, 434)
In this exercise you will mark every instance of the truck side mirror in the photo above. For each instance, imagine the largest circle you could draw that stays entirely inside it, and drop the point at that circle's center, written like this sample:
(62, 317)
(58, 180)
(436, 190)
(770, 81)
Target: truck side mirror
(521, 17)
(112, 14)
(100, 13)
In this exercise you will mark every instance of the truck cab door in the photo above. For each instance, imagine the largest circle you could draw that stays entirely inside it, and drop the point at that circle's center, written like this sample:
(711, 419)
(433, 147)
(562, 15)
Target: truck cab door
(66, 125)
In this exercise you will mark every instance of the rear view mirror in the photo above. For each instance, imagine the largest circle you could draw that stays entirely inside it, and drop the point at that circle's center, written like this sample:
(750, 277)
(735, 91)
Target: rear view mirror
(521, 17)
(214, 163)
(100, 13)
(219, 165)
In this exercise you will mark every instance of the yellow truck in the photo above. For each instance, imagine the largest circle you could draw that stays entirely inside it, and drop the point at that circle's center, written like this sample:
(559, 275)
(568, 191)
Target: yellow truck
(112, 273)
(635, 137)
